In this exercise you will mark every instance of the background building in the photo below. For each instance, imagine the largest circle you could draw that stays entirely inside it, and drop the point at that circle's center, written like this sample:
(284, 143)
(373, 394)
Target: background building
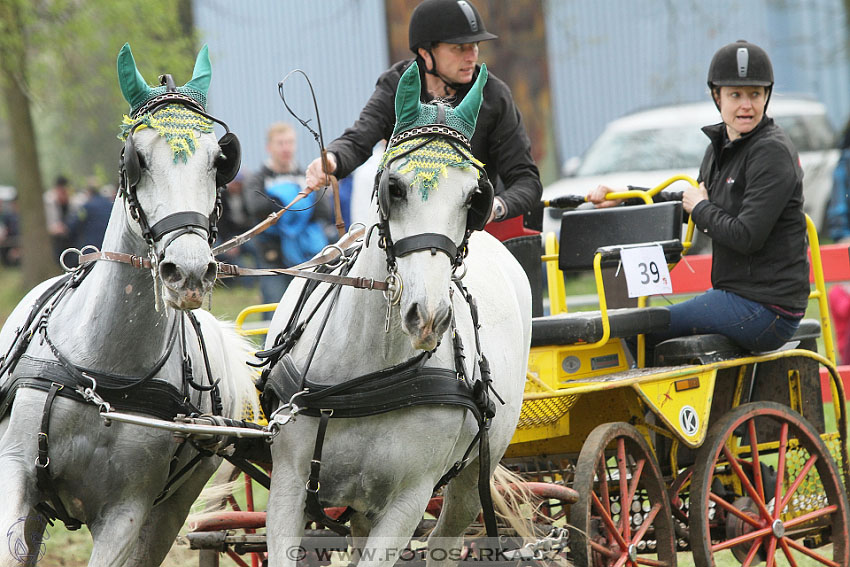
(573, 66)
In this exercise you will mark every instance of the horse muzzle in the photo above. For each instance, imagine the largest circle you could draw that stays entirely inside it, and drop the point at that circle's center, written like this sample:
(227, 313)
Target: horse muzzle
(186, 286)
(426, 327)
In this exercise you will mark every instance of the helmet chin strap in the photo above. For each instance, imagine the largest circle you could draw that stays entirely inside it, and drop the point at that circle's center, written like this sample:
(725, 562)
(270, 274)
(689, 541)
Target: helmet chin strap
(433, 71)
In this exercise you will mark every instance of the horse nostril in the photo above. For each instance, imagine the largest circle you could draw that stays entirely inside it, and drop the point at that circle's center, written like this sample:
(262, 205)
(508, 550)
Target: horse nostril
(413, 319)
(170, 273)
(442, 321)
(211, 273)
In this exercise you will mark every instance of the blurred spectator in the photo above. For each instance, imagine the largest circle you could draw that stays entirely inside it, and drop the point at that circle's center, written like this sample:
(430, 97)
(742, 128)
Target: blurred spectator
(235, 220)
(838, 223)
(838, 214)
(10, 252)
(300, 233)
(87, 223)
(57, 208)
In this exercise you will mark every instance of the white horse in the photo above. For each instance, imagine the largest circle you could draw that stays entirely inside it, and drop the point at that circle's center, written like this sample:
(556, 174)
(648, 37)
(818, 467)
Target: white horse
(120, 324)
(385, 466)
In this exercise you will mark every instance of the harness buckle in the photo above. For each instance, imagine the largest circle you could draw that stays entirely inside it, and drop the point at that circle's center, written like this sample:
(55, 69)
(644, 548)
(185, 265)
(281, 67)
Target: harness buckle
(42, 466)
(314, 491)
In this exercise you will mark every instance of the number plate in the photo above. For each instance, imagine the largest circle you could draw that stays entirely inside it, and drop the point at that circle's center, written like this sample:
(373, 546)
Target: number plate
(646, 270)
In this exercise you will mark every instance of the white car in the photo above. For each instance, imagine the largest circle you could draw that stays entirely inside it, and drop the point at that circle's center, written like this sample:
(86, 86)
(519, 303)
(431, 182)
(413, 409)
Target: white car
(645, 148)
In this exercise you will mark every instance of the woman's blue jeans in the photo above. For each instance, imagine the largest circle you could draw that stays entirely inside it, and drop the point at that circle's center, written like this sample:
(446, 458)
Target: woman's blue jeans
(748, 323)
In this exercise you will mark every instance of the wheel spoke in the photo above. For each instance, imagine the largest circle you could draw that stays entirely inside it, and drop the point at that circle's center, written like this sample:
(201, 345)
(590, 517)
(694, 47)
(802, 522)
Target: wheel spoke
(625, 502)
(806, 551)
(651, 562)
(756, 534)
(793, 522)
(788, 553)
(745, 482)
(754, 449)
(798, 481)
(780, 468)
(748, 561)
(771, 552)
(636, 474)
(732, 510)
(599, 548)
(609, 523)
(650, 517)
(622, 560)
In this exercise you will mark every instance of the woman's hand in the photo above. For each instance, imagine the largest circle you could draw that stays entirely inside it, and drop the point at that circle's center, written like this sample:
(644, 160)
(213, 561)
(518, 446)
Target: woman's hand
(692, 196)
(597, 197)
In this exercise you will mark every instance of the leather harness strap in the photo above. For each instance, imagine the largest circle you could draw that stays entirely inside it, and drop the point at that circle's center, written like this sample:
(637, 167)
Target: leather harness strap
(42, 462)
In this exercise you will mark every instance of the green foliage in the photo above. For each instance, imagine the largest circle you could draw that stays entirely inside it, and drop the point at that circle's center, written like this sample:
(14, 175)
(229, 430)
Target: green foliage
(71, 49)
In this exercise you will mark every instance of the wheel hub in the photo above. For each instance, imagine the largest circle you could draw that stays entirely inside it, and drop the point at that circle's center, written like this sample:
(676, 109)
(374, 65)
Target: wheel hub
(633, 553)
(736, 527)
(778, 528)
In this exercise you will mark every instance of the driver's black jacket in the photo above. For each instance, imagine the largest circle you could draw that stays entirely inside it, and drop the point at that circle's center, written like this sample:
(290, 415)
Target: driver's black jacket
(754, 216)
(500, 140)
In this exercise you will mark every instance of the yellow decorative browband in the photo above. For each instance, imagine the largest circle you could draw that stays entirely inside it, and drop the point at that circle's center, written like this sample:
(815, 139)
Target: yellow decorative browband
(174, 122)
(429, 162)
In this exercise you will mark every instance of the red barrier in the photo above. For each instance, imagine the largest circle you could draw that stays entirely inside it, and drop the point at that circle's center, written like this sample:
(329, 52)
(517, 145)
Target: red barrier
(826, 381)
(693, 273)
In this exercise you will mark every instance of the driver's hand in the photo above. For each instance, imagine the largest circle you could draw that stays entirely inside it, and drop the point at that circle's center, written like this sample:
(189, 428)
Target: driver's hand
(597, 197)
(315, 178)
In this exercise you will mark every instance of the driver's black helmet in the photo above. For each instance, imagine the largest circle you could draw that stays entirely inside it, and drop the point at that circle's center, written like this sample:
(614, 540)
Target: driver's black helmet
(447, 21)
(740, 64)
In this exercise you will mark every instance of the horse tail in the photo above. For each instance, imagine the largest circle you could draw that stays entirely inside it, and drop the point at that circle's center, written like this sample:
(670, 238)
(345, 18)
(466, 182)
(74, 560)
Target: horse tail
(240, 398)
(514, 502)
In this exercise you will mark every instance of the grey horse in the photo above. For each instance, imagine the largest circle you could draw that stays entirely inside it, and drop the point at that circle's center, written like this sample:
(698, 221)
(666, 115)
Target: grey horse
(127, 320)
(385, 466)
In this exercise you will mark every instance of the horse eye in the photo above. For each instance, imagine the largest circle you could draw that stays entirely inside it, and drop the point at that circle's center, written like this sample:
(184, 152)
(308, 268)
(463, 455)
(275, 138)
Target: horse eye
(398, 188)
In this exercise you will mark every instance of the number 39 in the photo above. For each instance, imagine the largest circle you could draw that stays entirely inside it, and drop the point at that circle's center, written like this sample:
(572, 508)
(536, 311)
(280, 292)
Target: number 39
(649, 272)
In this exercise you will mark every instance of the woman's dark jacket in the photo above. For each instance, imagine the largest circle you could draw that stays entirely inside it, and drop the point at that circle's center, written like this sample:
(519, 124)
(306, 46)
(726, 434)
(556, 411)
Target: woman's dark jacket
(754, 216)
(500, 140)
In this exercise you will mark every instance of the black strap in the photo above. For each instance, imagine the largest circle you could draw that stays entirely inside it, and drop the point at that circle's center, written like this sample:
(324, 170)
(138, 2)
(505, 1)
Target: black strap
(426, 241)
(177, 221)
(42, 462)
(250, 469)
(313, 507)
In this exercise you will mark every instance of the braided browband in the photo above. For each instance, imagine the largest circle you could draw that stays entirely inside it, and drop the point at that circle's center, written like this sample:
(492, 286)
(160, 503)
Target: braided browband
(441, 129)
(165, 98)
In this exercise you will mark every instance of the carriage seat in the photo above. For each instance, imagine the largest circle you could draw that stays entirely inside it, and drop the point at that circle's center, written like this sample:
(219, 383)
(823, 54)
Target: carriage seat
(705, 349)
(571, 328)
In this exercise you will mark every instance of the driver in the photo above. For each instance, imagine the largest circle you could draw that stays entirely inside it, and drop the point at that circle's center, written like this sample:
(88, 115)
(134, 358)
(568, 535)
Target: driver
(444, 36)
(750, 202)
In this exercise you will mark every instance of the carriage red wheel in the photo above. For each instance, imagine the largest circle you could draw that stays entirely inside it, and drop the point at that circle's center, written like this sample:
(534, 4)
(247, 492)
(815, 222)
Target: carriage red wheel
(766, 487)
(623, 506)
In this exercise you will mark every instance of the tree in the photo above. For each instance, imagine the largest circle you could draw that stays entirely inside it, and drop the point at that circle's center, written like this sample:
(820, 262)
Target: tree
(60, 93)
(37, 266)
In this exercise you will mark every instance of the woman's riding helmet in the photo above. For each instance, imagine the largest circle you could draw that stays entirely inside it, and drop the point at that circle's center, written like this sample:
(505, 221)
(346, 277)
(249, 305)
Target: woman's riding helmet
(741, 64)
(447, 21)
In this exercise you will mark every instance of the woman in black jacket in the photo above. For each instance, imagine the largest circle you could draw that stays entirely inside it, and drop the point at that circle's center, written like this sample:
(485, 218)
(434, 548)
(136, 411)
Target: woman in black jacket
(750, 202)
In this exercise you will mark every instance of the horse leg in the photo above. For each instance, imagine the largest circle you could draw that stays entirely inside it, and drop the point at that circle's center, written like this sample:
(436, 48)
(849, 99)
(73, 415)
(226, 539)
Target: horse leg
(461, 505)
(115, 532)
(392, 529)
(164, 521)
(285, 518)
(20, 536)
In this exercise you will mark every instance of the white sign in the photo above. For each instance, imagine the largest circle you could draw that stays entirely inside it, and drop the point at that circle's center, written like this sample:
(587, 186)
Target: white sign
(646, 270)
(689, 420)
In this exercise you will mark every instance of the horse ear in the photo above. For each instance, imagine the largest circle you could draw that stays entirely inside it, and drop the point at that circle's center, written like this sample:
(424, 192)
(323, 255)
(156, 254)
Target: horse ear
(471, 103)
(203, 72)
(133, 85)
(407, 103)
